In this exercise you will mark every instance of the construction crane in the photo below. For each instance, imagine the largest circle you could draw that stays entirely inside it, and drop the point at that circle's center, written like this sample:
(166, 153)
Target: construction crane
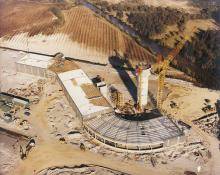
(164, 68)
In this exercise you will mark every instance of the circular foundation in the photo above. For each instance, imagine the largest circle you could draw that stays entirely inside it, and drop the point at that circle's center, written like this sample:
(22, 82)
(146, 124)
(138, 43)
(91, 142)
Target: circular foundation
(135, 134)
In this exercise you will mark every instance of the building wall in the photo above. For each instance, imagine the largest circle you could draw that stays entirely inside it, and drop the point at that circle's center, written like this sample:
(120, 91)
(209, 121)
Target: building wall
(71, 102)
(142, 89)
(37, 71)
(134, 148)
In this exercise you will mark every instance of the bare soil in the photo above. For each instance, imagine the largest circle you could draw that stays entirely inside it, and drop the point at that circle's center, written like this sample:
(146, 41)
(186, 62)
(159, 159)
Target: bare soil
(81, 26)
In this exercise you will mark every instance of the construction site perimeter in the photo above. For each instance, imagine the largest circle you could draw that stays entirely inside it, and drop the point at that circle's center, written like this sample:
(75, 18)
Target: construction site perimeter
(58, 129)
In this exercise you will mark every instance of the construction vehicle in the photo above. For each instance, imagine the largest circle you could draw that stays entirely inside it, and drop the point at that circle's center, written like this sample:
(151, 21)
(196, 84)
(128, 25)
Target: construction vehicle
(164, 68)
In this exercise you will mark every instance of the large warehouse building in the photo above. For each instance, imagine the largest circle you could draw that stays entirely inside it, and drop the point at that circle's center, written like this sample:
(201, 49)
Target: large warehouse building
(83, 95)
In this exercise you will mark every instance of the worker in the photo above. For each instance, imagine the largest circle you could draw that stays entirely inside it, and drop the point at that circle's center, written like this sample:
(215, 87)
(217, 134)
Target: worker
(82, 146)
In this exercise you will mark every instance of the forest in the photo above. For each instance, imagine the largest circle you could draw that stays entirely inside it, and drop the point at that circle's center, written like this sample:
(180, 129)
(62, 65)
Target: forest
(154, 20)
(201, 58)
(146, 20)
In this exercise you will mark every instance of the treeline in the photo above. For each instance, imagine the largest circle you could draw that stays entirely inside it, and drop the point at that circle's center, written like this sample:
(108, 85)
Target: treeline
(146, 20)
(210, 8)
(154, 20)
(201, 58)
(216, 15)
(205, 3)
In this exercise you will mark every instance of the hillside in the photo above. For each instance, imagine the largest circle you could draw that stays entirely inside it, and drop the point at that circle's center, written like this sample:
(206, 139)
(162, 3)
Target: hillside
(201, 58)
(169, 22)
(185, 5)
(164, 22)
(75, 31)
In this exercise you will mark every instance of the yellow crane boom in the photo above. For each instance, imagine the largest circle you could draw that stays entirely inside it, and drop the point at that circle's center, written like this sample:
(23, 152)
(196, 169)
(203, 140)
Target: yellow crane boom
(163, 72)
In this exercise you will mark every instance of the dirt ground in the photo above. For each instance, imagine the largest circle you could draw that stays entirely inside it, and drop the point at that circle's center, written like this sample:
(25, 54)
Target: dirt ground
(79, 170)
(190, 101)
(59, 132)
(9, 151)
(56, 153)
(183, 4)
(83, 35)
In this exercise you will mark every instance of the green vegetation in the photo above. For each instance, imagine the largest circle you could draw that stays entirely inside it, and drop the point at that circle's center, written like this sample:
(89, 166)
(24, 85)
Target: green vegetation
(154, 20)
(147, 21)
(201, 58)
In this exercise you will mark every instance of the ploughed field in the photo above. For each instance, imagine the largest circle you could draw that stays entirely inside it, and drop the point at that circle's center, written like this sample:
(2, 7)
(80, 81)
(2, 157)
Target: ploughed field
(76, 31)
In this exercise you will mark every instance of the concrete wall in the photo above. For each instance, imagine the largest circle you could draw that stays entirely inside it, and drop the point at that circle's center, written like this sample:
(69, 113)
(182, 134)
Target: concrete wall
(142, 88)
(37, 71)
(71, 102)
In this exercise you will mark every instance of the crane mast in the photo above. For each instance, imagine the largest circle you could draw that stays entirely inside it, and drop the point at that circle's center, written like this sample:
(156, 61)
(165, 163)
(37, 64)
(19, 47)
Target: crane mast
(163, 72)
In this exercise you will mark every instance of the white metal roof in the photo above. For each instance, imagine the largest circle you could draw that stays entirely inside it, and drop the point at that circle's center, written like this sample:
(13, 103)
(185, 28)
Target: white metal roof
(115, 128)
(36, 60)
(76, 92)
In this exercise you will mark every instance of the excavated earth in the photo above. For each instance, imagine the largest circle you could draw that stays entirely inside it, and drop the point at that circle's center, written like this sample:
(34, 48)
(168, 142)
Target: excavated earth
(9, 150)
(79, 170)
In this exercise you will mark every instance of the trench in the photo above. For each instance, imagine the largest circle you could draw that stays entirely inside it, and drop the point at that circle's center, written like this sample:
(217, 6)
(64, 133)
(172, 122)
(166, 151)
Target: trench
(79, 169)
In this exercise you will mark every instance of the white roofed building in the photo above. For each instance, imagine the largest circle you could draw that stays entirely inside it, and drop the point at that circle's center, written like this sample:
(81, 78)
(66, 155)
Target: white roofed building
(82, 94)
(34, 64)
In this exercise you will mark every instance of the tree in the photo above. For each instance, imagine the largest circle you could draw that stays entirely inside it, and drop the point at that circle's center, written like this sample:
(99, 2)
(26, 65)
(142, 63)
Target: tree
(119, 14)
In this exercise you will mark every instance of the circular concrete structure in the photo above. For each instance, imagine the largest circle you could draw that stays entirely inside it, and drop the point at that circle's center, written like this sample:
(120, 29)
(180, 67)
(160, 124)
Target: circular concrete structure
(140, 134)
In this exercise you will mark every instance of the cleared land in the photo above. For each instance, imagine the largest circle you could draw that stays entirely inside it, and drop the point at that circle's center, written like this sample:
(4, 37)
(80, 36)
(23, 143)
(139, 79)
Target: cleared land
(179, 4)
(82, 35)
